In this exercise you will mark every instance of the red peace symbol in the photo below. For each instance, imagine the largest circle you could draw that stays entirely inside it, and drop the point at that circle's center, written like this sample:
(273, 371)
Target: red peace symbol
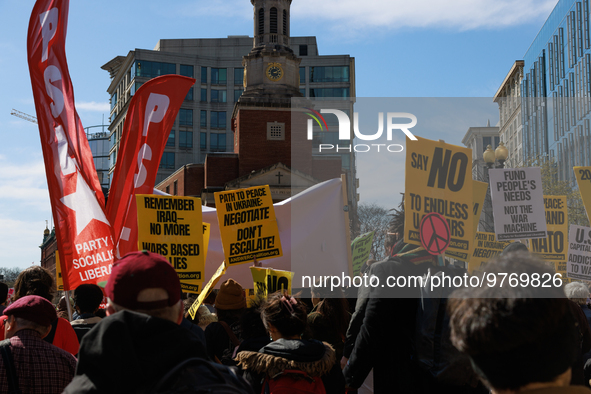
(435, 235)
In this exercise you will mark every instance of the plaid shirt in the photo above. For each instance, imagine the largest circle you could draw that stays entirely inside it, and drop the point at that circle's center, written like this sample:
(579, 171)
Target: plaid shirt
(41, 367)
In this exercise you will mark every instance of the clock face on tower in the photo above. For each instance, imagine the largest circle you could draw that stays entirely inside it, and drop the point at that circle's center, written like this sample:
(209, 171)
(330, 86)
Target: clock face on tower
(274, 72)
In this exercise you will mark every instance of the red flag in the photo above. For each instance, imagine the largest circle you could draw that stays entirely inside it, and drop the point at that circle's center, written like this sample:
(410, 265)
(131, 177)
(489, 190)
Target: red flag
(82, 230)
(149, 119)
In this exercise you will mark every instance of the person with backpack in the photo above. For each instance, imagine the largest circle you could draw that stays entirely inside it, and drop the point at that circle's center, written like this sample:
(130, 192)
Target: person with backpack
(289, 363)
(140, 346)
(87, 300)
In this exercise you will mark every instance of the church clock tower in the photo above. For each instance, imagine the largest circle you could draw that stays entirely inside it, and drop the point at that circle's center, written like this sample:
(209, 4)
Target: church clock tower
(262, 119)
(271, 69)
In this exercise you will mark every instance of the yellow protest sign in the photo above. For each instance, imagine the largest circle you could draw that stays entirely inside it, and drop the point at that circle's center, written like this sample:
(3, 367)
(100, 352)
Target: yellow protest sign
(206, 234)
(360, 248)
(583, 175)
(172, 227)
(247, 224)
(207, 288)
(486, 247)
(554, 248)
(59, 281)
(439, 179)
(479, 190)
(268, 281)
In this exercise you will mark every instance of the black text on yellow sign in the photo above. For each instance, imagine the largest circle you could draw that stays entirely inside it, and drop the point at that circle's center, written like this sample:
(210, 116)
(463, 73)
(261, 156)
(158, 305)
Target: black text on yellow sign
(439, 179)
(247, 225)
(554, 247)
(268, 281)
(485, 248)
(172, 226)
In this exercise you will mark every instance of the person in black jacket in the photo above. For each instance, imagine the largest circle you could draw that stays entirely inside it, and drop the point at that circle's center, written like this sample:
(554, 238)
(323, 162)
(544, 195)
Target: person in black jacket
(286, 319)
(87, 300)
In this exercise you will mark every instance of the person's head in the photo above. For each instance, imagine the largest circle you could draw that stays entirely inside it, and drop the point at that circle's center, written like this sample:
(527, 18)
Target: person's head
(205, 317)
(515, 336)
(284, 316)
(145, 282)
(29, 313)
(35, 280)
(515, 247)
(230, 301)
(331, 303)
(3, 293)
(88, 298)
(577, 292)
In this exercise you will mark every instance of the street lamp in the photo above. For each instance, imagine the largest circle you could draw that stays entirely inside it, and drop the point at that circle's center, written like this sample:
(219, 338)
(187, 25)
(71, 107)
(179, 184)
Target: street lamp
(493, 159)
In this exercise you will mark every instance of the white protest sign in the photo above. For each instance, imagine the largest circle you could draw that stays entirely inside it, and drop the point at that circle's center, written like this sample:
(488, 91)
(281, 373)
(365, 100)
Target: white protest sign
(518, 203)
(578, 265)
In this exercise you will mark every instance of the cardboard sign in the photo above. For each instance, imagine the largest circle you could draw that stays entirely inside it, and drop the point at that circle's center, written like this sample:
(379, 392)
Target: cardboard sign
(583, 175)
(439, 179)
(247, 224)
(206, 234)
(518, 203)
(268, 281)
(479, 190)
(59, 281)
(486, 247)
(554, 247)
(360, 248)
(207, 288)
(172, 226)
(578, 265)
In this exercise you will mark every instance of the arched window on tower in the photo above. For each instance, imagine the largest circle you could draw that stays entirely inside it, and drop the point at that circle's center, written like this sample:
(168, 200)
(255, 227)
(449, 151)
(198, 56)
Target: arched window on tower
(261, 22)
(273, 21)
(284, 22)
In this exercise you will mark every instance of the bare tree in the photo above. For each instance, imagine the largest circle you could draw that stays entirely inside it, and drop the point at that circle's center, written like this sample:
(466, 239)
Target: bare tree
(10, 275)
(373, 217)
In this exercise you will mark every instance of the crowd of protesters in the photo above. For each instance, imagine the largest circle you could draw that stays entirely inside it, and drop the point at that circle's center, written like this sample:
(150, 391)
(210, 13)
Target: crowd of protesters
(142, 339)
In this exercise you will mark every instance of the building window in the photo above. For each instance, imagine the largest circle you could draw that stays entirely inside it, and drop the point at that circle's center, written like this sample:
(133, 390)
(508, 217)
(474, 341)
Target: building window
(273, 21)
(189, 96)
(149, 69)
(185, 117)
(187, 70)
(203, 74)
(185, 139)
(203, 119)
(329, 92)
(135, 87)
(203, 141)
(304, 50)
(175, 188)
(167, 162)
(485, 142)
(204, 95)
(329, 74)
(217, 142)
(218, 76)
(276, 131)
(303, 92)
(239, 76)
(113, 100)
(237, 94)
(302, 75)
(217, 120)
(170, 140)
(261, 22)
(167, 189)
(218, 96)
(284, 22)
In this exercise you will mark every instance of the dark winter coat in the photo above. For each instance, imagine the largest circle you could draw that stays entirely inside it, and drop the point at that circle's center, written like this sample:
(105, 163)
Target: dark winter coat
(315, 358)
(130, 352)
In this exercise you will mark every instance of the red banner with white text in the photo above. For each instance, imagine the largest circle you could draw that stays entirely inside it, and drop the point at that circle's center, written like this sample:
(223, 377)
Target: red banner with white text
(149, 119)
(83, 232)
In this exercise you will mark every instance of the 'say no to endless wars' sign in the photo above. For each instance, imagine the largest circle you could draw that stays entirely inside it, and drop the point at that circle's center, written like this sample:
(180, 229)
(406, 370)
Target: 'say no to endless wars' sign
(247, 225)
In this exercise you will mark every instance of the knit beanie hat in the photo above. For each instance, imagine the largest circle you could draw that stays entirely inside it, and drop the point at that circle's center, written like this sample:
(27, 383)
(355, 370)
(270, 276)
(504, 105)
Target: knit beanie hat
(231, 296)
(206, 317)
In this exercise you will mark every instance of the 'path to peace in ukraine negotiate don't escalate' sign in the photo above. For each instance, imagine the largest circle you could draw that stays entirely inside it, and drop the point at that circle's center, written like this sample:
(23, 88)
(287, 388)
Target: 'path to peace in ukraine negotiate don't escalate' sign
(247, 223)
(518, 203)
(439, 179)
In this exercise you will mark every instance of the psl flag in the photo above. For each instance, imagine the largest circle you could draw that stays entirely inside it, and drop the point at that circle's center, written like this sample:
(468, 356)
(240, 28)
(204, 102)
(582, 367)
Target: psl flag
(83, 232)
(150, 118)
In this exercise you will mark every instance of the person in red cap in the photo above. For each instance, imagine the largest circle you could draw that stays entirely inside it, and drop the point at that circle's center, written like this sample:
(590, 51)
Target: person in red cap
(28, 363)
(140, 340)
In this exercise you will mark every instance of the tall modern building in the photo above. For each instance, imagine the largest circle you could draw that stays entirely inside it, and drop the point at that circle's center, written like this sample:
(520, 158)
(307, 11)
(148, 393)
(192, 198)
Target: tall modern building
(204, 123)
(508, 97)
(556, 89)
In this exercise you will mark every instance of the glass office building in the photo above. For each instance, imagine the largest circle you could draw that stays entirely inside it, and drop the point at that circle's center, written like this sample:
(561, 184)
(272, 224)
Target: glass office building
(556, 89)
